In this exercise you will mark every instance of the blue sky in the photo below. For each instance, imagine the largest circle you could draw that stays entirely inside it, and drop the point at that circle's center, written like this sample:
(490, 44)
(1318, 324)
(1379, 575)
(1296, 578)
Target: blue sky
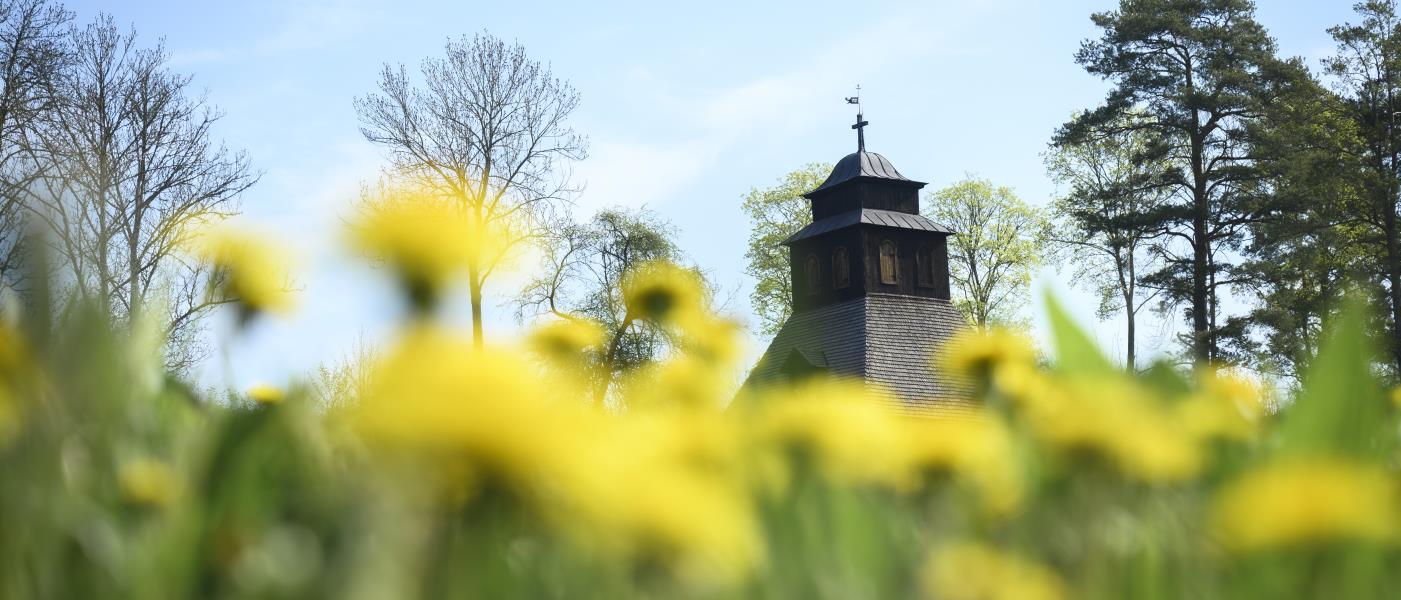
(686, 105)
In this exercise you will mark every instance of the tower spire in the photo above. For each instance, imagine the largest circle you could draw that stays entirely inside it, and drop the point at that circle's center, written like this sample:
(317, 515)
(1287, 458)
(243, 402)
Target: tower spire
(861, 123)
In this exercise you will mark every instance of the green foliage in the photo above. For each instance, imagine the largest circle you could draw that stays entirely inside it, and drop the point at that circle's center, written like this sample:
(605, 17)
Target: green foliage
(995, 252)
(1301, 261)
(776, 213)
(1365, 241)
(1195, 79)
(1099, 224)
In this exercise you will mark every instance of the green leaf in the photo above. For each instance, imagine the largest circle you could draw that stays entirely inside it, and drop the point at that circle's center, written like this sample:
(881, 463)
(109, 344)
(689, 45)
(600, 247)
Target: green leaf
(1341, 403)
(1076, 353)
(1167, 379)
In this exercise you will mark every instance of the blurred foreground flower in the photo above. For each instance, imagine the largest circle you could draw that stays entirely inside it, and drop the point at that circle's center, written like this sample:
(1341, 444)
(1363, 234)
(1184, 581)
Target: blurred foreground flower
(663, 292)
(976, 353)
(665, 487)
(15, 367)
(148, 482)
(433, 392)
(427, 240)
(976, 572)
(1227, 406)
(1308, 500)
(649, 486)
(840, 425)
(564, 340)
(1112, 416)
(978, 450)
(265, 394)
(249, 268)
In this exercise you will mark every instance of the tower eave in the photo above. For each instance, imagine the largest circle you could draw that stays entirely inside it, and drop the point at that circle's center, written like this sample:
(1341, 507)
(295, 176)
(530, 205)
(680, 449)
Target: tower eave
(827, 190)
(868, 216)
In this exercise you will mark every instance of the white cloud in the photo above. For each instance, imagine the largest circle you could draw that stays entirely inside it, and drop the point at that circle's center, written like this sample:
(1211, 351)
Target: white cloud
(634, 174)
(622, 170)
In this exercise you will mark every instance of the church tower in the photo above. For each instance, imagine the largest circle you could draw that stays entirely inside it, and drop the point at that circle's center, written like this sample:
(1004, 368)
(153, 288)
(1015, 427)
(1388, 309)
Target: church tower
(870, 287)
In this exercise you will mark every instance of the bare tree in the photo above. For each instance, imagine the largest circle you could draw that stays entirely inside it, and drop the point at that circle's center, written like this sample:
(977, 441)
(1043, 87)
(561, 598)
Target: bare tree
(131, 172)
(33, 52)
(485, 131)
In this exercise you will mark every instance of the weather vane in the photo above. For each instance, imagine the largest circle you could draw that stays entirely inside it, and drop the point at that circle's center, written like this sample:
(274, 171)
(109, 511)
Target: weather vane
(861, 123)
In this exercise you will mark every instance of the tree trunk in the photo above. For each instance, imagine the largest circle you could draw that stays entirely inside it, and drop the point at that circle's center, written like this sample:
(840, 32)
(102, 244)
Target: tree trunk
(609, 360)
(1129, 316)
(1129, 360)
(1393, 275)
(1201, 251)
(134, 272)
(1127, 276)
(1393, 245)
(475, 286)
(1201, 343)
(1201, 349)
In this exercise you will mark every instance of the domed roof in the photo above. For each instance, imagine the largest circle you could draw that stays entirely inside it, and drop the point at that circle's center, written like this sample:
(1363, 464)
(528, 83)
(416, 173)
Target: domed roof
(858, 165)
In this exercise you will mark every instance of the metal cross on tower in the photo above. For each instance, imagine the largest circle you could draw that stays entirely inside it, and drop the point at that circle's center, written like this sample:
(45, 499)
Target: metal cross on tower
(861, 123)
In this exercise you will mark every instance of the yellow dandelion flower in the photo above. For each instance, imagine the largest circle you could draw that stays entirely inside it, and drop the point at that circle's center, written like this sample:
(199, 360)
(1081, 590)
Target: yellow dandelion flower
(843, 425)
(1226, 406)
(973, 352)
(1209, 416)
(1235, 388)
(1396, 396)
(664, 488)
(9, 414)
(427, 240)
(1149, 447)
(14, 367)
(147, 482)
(1307, 500)
(435, 393)
(712, 339)
(663, 292)
(266, 395)
(971, 571)
(978, 450)
(1119, 420)
(14, 354)
(249, 268)
(565, 339)
(1023, 381)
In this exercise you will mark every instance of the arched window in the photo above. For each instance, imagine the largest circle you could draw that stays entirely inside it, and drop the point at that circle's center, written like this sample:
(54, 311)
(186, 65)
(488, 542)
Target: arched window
(814, 273)
(841, 268)
(924, 266)
(889, 264)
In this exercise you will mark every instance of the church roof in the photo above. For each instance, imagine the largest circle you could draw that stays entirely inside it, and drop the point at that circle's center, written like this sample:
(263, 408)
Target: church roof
(869, 216)
(886, 339)
(861, 164)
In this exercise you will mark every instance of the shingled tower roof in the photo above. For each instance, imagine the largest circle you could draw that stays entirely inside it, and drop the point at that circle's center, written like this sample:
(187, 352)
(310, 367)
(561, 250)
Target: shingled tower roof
(885, 339)
(859, 164)
(870, 290)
